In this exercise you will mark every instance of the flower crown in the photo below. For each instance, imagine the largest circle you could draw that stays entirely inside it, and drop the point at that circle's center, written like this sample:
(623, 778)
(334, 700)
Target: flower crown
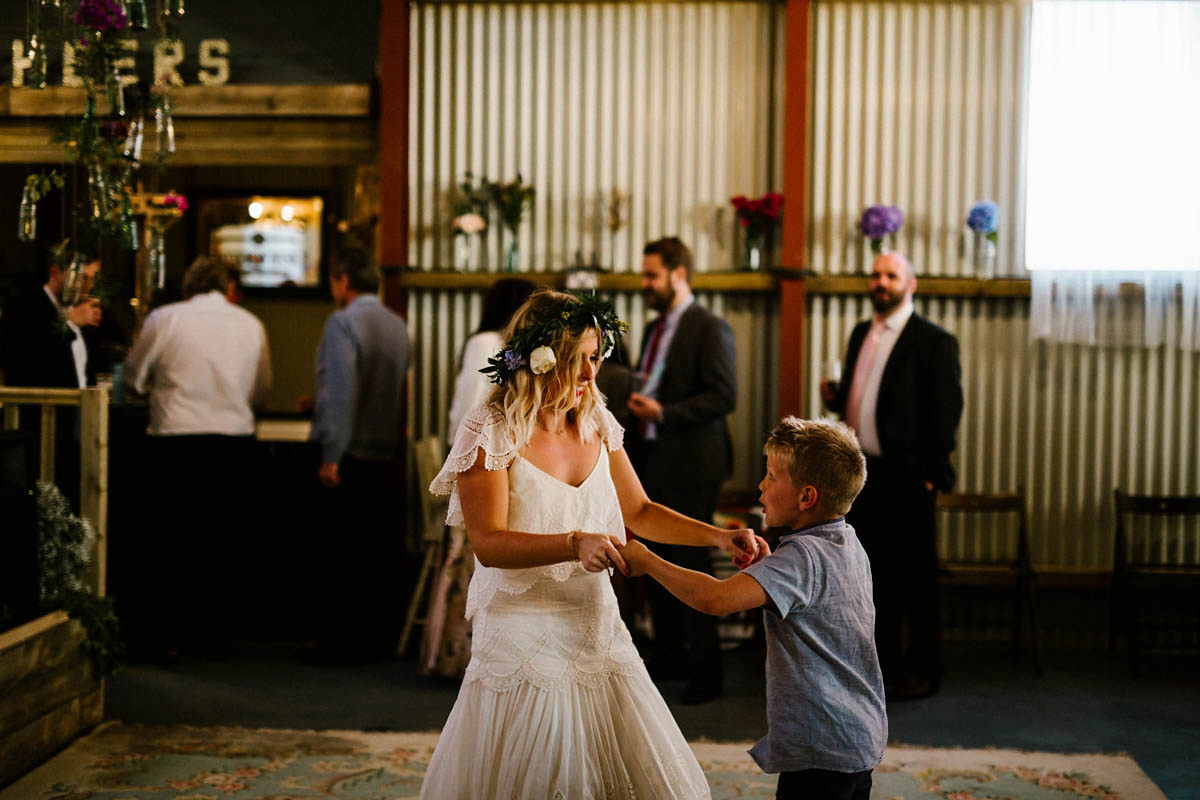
(528, 347)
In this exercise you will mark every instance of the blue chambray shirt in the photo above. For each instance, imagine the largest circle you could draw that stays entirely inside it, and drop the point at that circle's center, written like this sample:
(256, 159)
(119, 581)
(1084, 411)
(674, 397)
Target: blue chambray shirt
(361, 364)
(825, 702)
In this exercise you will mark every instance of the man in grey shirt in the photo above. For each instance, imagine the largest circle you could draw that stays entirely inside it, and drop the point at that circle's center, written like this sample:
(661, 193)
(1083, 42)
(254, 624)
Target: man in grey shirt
(826, 717)
(361, 365)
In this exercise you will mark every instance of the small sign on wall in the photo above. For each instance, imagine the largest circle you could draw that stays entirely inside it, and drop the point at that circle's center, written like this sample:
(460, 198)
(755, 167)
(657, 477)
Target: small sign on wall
(211, 60)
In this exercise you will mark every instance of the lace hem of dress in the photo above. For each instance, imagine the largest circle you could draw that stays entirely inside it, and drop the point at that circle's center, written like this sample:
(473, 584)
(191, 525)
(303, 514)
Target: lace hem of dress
(526, 676)
(488, 581)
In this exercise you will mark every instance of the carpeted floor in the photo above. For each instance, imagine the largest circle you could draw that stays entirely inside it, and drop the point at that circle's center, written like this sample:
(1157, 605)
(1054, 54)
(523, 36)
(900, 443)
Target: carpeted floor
(149, 762)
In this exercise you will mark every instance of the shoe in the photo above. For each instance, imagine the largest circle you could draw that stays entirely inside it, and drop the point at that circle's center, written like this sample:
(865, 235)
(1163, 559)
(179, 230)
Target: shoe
(911, 687)
(698, 692)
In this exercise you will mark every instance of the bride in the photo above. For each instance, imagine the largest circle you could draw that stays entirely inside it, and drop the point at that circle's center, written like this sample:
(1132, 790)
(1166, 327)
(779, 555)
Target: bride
(556, 702)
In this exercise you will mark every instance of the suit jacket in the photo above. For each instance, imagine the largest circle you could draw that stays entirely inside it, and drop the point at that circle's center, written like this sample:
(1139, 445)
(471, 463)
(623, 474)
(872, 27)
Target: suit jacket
(697, 390)
(35, 344)
(920, 399)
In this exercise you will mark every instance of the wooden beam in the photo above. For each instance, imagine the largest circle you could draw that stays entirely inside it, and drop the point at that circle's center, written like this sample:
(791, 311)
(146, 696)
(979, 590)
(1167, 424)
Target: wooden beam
(93, 483)
(233, 142)
(231, 100)
(393, 147)
(795, 183)
(926, 287)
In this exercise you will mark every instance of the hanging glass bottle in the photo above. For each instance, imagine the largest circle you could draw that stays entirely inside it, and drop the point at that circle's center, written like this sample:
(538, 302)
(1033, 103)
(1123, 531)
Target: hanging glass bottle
(155, 276)
(73, 286)
(133, 141)
(97, 191)
(87, 124)
(164, 126)
(139, 19)
(35, 75)
(27, 230)
(116, 92)
(129, 224)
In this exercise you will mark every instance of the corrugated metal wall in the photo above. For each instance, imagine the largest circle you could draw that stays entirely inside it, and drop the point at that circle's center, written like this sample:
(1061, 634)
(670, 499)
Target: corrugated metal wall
(672, 103)
(921, 106)
(676, 104)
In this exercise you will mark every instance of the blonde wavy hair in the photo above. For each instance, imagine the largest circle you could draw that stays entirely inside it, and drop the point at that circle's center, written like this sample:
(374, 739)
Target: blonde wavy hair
(523, 396)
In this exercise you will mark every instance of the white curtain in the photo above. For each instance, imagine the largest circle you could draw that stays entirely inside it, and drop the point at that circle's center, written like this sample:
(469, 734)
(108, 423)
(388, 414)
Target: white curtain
(1113, 204)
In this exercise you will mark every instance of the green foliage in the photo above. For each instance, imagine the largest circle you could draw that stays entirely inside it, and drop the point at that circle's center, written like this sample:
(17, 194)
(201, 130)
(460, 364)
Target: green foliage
(511, 200)
(41, 184)
(66, 544)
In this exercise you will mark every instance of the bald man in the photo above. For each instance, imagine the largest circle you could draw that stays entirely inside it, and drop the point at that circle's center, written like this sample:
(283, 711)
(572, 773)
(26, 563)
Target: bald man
(903, 397)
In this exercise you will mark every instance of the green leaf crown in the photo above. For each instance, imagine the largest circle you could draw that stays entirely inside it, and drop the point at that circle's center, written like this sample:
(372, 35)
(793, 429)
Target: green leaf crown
(591, 311)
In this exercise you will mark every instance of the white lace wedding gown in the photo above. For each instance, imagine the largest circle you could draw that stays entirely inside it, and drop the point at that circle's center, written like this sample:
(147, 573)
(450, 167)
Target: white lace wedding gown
(556, 703)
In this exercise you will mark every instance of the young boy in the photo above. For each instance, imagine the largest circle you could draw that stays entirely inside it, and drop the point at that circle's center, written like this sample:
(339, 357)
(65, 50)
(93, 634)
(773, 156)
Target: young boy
(826, 720)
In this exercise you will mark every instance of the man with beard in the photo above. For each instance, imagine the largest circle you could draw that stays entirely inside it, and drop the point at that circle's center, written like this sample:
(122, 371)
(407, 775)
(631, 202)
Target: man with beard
(681, 449)
(904, 400)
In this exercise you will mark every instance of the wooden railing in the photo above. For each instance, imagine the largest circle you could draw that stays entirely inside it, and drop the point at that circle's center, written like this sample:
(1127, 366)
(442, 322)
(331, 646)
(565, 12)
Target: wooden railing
(93, 455)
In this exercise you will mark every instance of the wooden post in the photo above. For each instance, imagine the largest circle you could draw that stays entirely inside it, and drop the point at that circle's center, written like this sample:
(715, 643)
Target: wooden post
(795, 177)
(93, 483)
(393, 148)
(49, 416)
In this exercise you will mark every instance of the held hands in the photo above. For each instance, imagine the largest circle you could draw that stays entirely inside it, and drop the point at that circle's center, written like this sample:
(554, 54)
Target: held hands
(743, 560)
(597, 552)
(742, 544)
(329, 475)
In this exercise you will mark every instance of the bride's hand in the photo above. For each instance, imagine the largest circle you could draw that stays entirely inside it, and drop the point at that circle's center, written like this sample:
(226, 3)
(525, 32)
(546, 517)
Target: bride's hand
(741, 544)
(598, 552)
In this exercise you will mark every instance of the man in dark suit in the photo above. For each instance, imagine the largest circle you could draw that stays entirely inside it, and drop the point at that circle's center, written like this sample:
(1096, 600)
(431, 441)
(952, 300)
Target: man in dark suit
(681, 449)
(44, 343)
(904, 400)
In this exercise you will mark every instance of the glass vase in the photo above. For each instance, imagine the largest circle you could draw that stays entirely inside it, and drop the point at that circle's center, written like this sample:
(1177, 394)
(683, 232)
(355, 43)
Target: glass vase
(983, 255)
(73, 285)
(115, 92)
(462, 252)
(129, 225)
(512, 253)
(27, 227)
(97, 191)
(756, 251)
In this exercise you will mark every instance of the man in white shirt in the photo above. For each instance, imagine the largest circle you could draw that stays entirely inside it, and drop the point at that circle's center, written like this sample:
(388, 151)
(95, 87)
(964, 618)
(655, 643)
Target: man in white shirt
(205, 365)
(904, 400)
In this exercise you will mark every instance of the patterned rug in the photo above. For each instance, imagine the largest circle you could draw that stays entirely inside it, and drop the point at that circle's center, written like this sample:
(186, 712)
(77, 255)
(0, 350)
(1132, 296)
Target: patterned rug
(120, 762)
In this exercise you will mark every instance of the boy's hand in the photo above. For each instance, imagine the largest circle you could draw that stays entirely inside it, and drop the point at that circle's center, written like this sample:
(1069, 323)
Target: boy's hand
(637, 557)
(744, 560)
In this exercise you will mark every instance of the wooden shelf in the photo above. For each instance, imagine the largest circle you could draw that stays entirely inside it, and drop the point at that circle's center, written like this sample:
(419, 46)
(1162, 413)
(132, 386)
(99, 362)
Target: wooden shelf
(926, 287)
(231, 100)
(608, 282)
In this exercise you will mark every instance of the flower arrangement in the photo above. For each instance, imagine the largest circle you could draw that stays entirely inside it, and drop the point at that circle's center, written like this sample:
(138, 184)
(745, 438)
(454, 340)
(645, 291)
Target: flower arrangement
(984, 218)
(528, 348)
(878, 222)
(759, 216)
(170, 200)
(511, 200)
(469, 204)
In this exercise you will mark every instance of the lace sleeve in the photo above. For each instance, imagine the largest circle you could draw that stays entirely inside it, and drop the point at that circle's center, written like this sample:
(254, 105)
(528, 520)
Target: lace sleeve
(610, 430)
(484, 427)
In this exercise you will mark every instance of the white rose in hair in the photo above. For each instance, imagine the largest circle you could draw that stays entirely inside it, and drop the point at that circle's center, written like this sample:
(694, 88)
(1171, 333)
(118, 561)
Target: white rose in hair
(542, 360)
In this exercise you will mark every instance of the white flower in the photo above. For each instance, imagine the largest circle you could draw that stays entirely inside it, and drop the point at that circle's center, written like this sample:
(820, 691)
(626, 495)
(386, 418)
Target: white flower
(542, 360)
(469, 223)
(608, 350)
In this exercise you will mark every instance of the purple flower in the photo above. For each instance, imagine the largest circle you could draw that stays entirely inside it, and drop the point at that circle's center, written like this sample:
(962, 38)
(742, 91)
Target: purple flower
(100, 15)
(894, 218)
(880, 221)
(983, 217)
(513, 360)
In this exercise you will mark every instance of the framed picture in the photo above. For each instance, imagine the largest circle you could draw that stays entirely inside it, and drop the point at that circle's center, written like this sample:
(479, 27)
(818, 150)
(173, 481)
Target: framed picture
(276, 240)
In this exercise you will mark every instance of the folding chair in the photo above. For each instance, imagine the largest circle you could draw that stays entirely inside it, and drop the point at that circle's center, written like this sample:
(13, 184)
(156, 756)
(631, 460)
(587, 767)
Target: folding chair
(1004, 561)
(1156, 552)
(428, 455)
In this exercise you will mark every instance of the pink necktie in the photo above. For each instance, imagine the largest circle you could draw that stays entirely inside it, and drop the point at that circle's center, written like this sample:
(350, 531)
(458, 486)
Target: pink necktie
(862, 371)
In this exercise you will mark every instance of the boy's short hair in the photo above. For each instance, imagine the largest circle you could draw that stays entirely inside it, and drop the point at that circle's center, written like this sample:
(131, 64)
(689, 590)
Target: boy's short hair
(822, 453)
